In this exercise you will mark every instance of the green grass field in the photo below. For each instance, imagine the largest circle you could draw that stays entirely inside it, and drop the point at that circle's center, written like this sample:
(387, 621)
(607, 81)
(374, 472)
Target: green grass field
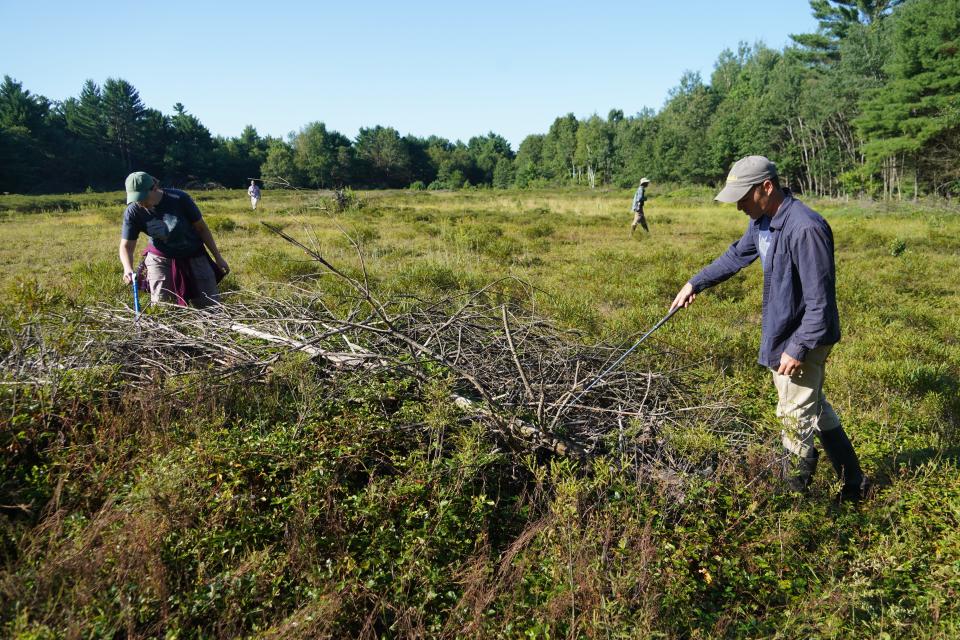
(141, 518)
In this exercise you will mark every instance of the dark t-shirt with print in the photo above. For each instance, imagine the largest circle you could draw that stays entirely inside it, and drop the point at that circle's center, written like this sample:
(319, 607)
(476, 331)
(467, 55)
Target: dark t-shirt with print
(169, 224)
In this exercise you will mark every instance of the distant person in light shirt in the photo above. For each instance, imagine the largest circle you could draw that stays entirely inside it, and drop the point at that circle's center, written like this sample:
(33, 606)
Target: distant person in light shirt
(638, 199)
(254, 192)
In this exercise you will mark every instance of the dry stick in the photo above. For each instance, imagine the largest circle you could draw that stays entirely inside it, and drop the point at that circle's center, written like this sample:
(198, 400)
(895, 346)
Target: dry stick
(296, 345)
(377, 308)
(542, 438)
(548, 440)
(554, 443)
(365, 291)
(473, 296)
(180, 342)
(513, 352)
(566, 396)
(362, 288)
(542, 398)
(607, 370)
(456, 358)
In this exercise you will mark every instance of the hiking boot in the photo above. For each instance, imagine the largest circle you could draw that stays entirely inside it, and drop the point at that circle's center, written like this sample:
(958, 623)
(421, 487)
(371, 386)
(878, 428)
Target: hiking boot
(838, 448)
(797, 471)
(850, 493)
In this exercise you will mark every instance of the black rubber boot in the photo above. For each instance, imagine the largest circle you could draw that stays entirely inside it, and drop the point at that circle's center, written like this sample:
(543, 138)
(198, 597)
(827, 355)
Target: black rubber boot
(838, 448)
(798, 470)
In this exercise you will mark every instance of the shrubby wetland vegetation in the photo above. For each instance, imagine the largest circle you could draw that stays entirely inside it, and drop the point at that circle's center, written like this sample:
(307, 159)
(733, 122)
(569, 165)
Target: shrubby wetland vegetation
(303, 502)
(182, 476)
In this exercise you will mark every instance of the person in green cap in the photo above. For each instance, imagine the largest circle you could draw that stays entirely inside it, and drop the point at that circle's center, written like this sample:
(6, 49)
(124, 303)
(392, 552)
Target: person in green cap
(800, 320)
(178, 267)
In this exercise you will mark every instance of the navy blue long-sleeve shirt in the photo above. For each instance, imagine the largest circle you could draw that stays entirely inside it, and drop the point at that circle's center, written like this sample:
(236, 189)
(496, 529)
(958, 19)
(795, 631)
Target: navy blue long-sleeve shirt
(799, 281)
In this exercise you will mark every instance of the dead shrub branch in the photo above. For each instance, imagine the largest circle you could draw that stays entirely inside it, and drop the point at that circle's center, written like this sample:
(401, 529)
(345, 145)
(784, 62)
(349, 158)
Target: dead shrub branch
(513, 371)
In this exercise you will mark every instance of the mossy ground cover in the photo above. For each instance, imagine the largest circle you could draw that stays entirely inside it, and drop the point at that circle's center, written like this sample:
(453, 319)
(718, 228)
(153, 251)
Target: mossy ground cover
(291, 509)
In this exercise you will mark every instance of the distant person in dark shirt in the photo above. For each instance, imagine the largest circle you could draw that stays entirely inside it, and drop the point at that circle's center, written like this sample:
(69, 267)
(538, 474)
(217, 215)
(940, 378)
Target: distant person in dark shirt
(254, 192)
(178, 267)
(638, 199)
(800, 321)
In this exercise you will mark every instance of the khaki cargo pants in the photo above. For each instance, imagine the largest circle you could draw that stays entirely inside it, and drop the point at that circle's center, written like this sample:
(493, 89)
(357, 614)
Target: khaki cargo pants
(158, 275)
(802, 407)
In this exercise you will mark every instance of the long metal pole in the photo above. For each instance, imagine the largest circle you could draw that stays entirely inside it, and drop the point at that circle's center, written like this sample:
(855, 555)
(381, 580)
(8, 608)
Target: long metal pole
(625, 354)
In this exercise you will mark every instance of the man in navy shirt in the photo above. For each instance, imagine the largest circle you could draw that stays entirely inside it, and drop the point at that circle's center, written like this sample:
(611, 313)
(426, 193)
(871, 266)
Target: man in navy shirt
(800, 321)
(178, 266)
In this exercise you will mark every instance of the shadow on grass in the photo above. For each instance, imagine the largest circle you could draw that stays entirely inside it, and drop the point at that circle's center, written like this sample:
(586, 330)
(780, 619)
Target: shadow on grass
(883, 476)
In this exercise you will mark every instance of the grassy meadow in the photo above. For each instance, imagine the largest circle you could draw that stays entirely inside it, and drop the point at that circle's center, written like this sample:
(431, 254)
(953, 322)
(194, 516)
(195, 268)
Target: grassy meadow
(266, 513)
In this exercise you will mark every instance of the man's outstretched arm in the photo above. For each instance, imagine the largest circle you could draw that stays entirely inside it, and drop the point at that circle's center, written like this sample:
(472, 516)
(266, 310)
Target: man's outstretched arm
(738, 255)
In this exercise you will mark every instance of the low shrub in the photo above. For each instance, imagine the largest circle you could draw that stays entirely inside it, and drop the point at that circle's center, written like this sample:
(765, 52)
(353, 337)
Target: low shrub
(347, 200)
(221, 224)
(539, 230)
(277, 266)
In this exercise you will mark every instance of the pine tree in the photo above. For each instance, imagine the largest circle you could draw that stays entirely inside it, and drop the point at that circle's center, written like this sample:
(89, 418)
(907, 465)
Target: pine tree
(188, 152)
(913, 121)
(835, 18)
(85, 116)
(123, 114)
(21, 109)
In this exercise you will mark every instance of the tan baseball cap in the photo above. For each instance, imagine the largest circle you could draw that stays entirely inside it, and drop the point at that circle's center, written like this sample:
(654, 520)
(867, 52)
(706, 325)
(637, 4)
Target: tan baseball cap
(745, 173)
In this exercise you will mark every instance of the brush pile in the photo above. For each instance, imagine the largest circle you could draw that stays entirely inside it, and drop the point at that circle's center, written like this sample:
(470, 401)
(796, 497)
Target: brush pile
(513, 371)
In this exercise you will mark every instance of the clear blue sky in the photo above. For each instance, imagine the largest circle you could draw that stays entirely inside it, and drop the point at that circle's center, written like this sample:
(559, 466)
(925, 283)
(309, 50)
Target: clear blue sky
(446, 68)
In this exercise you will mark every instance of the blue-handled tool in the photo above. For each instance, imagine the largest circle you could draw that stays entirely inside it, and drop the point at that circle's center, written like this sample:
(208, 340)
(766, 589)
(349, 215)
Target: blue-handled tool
(136, 294)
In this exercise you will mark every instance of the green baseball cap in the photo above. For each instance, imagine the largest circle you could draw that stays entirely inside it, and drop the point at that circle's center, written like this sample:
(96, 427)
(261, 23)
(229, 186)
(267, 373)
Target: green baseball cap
(139, 184)
(745, 173)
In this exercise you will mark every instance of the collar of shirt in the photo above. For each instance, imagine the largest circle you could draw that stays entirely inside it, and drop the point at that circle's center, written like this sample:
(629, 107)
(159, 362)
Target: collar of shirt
(780, 217)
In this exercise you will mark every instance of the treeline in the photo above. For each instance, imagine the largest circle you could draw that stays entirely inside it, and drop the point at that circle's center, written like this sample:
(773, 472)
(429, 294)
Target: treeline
(870, 103)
